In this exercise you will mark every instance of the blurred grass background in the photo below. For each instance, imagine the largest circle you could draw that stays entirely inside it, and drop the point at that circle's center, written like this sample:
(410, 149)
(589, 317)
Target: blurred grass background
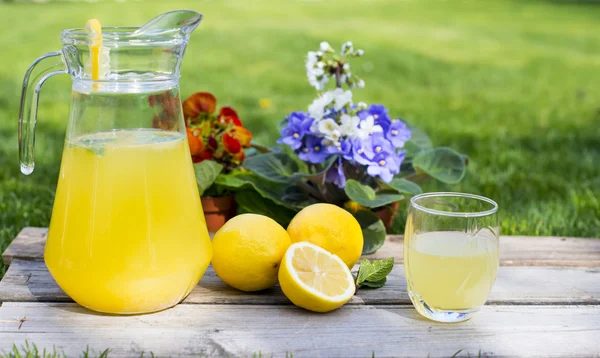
(513, 84)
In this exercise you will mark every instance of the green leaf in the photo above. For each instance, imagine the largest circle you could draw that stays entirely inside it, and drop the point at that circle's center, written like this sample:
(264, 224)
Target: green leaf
(324, 167)
(366, 196)
(373, 231)
(252, 202)
(404, 186)
(277, 167)
(364, 270)
(374, 273)
(418, 142)
(443, 164)
(378, 284)
(277, 192)
(382, 268)
(207, 172)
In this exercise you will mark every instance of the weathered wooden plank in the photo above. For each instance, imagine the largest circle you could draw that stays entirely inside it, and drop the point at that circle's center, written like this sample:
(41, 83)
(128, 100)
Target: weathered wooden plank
(27, 245)
(514, 250)
(30, 281)
(384, 331)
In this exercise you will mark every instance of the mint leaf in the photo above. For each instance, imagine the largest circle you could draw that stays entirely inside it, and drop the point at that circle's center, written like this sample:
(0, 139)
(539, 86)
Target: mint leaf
(373, 284)
(381, 268)
(374, 273)
(365, 269)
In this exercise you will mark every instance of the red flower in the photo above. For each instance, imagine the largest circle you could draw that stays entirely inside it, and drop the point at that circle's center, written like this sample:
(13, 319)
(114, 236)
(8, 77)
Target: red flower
(231, 144)
(228, 115)
(195, 141)
(212, 143)
(243, 135)
(199, 102)
(216, 136)
(239, 157)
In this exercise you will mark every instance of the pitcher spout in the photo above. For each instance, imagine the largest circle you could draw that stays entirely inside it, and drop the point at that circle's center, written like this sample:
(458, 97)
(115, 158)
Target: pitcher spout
(177, 22)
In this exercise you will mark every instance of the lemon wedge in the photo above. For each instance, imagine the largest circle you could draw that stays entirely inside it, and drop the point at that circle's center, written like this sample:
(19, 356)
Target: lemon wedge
(94, 30)
(314, 279)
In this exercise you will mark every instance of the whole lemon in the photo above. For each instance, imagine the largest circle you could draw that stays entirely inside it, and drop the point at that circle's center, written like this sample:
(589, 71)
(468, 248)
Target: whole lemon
(331, 228)
(247, 251)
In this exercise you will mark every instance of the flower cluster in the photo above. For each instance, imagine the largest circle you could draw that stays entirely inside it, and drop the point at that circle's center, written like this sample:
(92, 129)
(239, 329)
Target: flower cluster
(220, 137)
(326, 63)
(362, 137)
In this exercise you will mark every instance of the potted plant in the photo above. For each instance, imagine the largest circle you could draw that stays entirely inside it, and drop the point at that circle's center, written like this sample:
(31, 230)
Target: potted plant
(354, 155)
(217, 143)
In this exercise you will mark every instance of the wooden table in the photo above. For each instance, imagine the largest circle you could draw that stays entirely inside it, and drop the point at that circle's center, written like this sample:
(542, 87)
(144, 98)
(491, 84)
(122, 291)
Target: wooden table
(546, 302)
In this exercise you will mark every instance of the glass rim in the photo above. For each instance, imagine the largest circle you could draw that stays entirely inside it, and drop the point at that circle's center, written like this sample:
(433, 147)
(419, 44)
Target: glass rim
(122, 35)
(473, 214)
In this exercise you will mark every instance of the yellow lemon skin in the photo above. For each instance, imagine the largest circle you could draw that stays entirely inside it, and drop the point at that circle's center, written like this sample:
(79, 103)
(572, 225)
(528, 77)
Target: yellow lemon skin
(311, 292)
(330, 227)
(247, 252)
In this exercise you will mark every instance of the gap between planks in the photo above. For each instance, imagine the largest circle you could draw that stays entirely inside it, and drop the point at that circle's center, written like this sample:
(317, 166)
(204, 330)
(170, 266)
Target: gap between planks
(514, 250)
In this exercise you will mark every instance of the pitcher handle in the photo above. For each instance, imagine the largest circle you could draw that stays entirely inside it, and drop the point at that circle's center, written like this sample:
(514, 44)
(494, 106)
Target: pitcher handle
(53, 64)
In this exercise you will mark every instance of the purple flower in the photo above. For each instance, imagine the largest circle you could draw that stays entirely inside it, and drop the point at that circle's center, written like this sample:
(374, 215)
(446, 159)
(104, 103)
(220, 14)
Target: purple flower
(336, 175)
(313, 151)
(379, 113)
(344, 149)
(398, 133)
(385, 166)
(298, 124)
(364, 151)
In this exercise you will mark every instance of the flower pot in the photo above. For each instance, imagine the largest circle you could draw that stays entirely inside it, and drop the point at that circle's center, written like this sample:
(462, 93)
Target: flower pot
(386, 214)
(217, 210)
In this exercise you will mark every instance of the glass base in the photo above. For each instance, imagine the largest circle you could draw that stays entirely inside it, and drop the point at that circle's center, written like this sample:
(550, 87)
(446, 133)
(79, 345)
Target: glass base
(439, 315)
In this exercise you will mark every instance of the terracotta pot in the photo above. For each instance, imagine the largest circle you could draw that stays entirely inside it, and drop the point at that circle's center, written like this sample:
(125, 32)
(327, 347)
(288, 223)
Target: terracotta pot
(218, 210)
(387, 213)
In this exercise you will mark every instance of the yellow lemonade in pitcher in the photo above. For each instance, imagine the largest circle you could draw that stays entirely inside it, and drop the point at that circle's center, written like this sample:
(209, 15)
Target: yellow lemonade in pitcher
(127, 233)
(451, 270)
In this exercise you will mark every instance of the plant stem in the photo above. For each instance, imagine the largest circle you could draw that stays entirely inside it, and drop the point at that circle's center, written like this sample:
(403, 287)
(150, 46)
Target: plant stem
(311, 190)
(261, 148)
(338, 75)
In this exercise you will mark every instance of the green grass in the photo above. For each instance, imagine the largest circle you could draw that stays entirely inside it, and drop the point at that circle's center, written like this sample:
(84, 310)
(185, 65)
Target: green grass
(514, 84)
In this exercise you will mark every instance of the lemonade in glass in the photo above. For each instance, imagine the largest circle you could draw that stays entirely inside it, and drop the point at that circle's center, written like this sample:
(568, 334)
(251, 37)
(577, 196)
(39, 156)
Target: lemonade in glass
(451, 254)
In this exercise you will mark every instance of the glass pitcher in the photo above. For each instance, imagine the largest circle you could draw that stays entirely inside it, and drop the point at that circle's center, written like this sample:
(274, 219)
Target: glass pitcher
(127, 233)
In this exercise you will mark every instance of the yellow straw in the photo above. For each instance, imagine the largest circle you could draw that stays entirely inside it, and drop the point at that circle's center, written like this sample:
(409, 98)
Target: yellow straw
(94, 29)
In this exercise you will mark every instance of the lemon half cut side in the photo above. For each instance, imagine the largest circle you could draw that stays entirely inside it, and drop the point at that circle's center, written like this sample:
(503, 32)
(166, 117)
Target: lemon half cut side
(314, 279)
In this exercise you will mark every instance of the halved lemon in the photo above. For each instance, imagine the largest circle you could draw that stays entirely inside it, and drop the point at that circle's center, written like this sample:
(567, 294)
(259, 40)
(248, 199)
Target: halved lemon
(314, 279)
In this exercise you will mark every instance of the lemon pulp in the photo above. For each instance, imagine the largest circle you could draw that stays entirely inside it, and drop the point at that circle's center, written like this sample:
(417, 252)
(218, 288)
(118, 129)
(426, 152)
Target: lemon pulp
(315, 279)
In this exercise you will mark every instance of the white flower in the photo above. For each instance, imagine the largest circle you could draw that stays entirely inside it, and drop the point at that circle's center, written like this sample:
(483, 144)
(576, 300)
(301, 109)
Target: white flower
(330, 130)
(360, 52)
(361, 84)
(324, 46)
(368, 127)
(349, 125)
(334, 138)
(317, 108)
(346, 47)
(341, 98)
(320, 64)
(315, 73)
(328, 126)
(318, 71)
(362, 105)
(346, 66)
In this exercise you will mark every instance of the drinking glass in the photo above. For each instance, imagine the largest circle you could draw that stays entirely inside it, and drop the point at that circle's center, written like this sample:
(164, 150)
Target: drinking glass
(451, 254)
